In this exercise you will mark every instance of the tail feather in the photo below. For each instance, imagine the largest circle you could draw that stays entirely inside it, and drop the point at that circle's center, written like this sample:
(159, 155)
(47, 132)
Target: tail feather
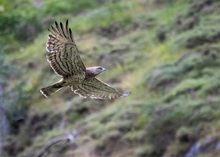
(47, 91)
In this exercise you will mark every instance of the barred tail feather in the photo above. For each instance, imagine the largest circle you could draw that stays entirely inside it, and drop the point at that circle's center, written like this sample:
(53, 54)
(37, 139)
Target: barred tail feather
(47, 91)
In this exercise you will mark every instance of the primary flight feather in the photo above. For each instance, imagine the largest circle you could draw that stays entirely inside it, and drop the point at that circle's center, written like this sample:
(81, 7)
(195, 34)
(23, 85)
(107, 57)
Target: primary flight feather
(63, 56)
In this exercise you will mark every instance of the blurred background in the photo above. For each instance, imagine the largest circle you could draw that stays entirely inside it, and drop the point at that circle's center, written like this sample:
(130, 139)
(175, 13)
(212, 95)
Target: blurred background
(166, 52)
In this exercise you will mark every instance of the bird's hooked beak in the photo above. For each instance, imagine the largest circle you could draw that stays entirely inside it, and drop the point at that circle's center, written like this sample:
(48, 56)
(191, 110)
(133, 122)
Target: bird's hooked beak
(104, 69)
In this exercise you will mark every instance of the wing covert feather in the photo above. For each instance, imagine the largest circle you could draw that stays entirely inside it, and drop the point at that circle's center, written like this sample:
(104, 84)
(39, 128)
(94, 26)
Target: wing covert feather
(97, 89)
(62, 52)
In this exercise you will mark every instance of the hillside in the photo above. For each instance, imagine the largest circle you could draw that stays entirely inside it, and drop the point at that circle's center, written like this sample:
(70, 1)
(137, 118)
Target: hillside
(167, 53)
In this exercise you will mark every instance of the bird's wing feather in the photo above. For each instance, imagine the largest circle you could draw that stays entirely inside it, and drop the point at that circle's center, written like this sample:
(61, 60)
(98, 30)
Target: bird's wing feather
(97, 89)
(62, 52)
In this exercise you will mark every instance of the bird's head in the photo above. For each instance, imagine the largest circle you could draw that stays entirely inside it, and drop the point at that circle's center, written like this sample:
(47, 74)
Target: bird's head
(98, 70)
(95, 70)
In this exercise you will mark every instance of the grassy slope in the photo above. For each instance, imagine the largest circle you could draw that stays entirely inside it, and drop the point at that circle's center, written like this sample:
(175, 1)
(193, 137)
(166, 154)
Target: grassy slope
(172, 97)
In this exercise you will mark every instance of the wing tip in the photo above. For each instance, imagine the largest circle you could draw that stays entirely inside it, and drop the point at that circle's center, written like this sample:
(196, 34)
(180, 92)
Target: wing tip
(126, 93)
(43, 93)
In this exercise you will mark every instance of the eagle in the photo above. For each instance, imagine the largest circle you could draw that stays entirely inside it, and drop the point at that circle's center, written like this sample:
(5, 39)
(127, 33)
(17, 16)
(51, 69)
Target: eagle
(63, 57)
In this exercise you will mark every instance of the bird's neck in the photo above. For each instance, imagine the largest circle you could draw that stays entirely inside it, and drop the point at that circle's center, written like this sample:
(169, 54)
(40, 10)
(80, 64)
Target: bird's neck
(90, 72)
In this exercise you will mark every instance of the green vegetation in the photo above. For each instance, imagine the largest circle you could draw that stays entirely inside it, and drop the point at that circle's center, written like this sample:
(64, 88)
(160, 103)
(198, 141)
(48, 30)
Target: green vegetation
(166, 52)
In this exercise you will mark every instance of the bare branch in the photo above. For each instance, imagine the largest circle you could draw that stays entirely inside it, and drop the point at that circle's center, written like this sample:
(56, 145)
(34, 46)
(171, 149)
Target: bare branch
(67, 138)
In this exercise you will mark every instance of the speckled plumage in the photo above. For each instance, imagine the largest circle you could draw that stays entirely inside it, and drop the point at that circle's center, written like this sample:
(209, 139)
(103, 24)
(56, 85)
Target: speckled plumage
(63, 56)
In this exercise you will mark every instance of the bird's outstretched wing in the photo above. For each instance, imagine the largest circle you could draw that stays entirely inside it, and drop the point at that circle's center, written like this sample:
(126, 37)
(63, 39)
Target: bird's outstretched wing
(62, 52)
(94, 88)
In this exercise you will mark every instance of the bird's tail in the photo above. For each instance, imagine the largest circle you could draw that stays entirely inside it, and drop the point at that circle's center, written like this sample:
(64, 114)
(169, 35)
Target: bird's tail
(47, 91)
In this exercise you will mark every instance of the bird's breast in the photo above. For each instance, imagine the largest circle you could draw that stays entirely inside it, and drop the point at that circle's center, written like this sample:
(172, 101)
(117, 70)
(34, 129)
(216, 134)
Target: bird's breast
(75, 79)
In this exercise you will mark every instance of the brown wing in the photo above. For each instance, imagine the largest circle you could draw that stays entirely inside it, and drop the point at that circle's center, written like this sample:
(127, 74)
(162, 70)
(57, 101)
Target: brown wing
(97, 89)
(62, 53)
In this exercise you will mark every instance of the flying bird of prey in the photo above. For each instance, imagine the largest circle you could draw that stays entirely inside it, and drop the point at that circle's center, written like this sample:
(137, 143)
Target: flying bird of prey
(63, 56)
